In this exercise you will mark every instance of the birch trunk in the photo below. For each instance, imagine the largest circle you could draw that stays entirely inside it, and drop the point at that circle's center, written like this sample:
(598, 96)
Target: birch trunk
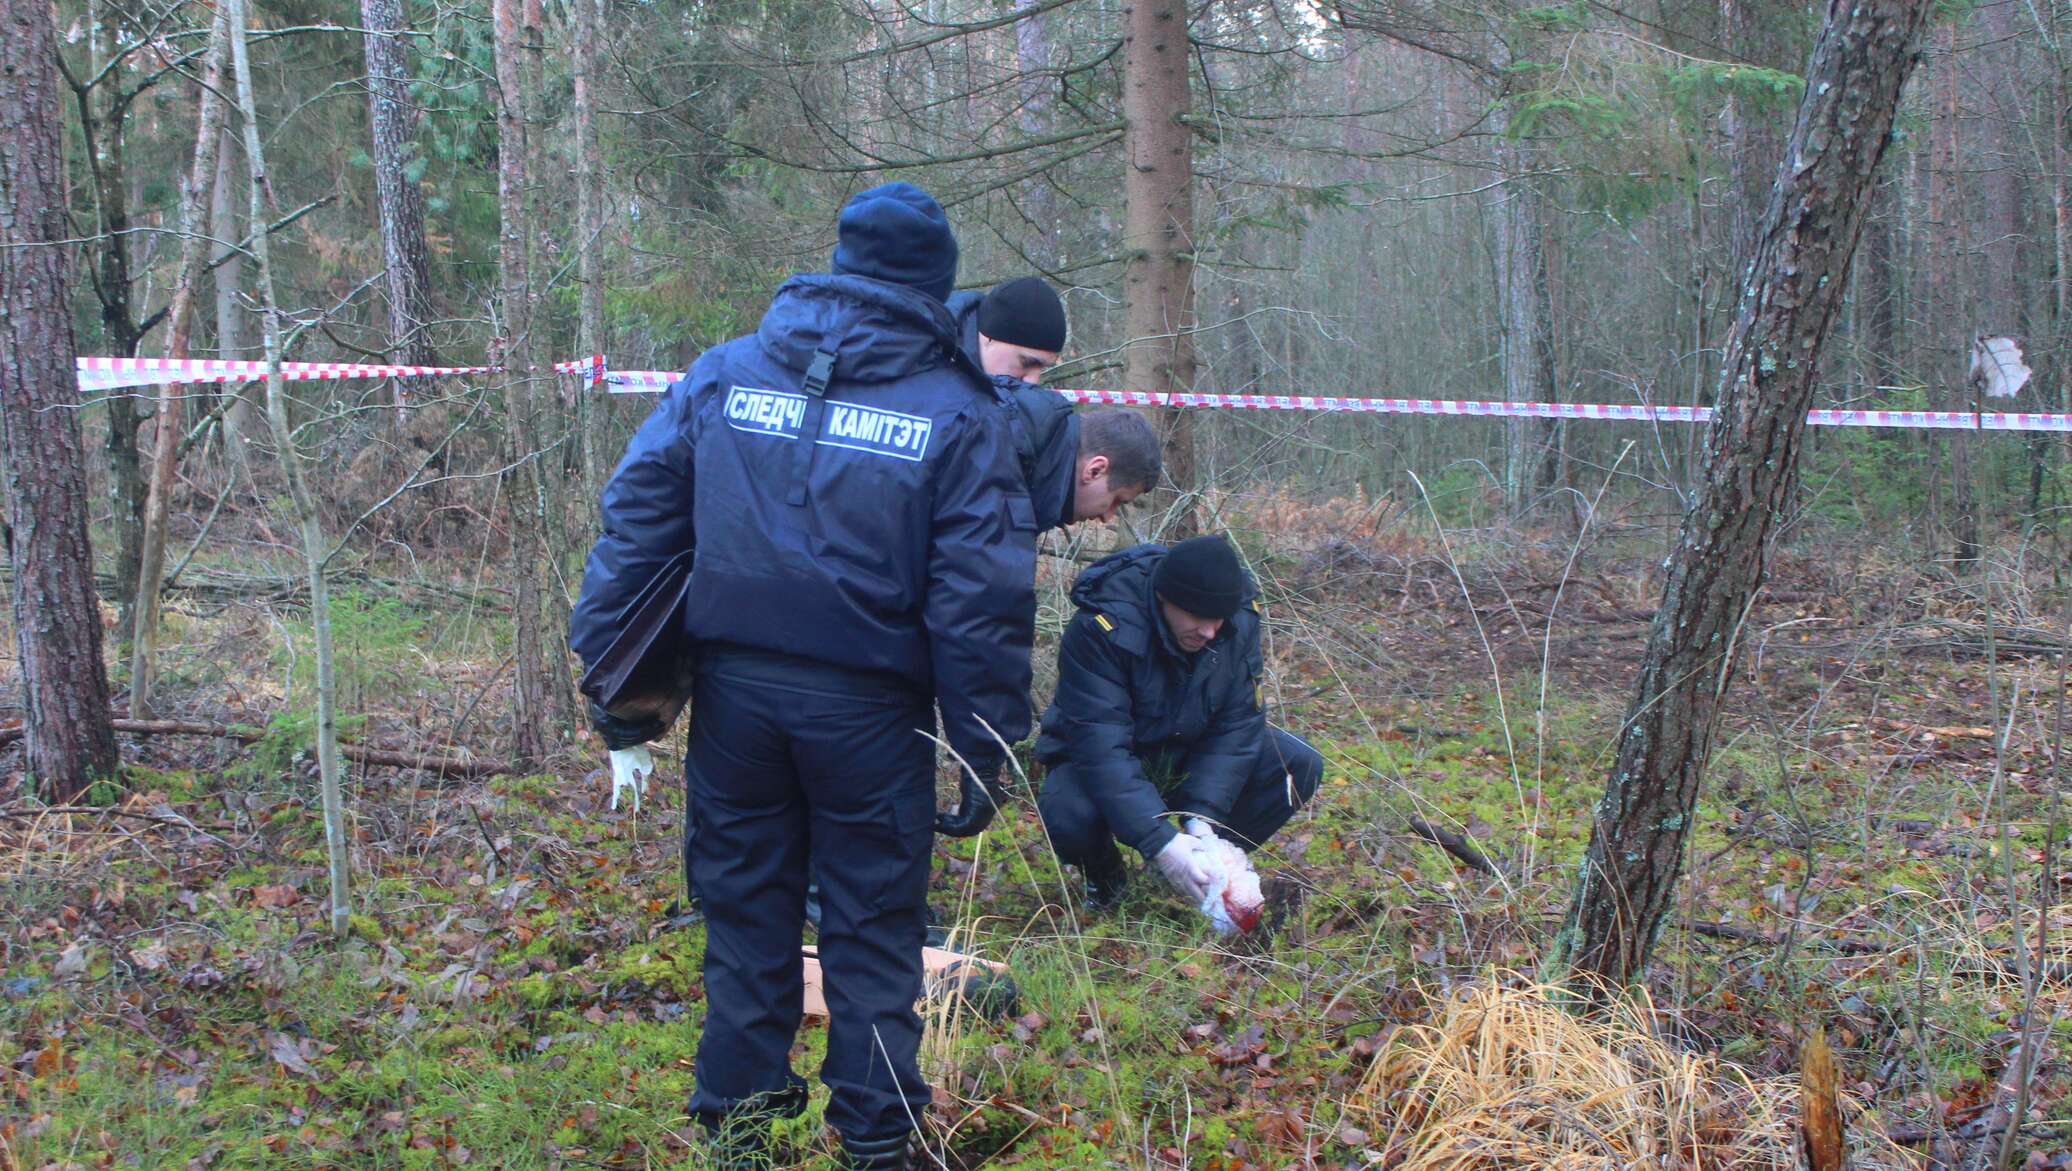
(167, 421)
(314, 547)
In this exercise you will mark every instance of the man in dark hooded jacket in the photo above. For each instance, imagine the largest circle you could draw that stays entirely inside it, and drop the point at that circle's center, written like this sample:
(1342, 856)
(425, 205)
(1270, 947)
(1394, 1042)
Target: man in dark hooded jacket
(1159, 714)
(1015, 333)
(865, 552)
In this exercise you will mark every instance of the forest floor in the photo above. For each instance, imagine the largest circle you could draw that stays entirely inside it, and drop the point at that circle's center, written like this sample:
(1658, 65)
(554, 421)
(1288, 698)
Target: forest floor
(519, 989)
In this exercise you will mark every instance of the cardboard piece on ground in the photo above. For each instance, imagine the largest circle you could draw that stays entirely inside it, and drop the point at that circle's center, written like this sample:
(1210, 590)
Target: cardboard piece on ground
(934, 962)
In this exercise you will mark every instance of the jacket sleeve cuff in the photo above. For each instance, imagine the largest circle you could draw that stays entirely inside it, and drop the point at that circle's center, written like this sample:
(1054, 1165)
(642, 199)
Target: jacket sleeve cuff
(986, 767)
(617, 733)
(1154, 839)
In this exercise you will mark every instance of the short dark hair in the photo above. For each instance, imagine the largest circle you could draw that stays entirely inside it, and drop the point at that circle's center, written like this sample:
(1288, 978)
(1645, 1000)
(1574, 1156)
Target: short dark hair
(1126, 438)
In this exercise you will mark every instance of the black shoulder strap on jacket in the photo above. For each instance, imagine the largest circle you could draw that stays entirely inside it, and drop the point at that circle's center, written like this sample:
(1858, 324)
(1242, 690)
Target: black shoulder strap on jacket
(818, 375)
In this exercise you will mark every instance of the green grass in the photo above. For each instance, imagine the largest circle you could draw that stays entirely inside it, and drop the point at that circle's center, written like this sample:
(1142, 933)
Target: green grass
(536, 1013)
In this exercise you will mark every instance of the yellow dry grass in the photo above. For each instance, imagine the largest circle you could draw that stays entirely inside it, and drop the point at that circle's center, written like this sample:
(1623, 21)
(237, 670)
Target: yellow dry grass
(1506, 1079)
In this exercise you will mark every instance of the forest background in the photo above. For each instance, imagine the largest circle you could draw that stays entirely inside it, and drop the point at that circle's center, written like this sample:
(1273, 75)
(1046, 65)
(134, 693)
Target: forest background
(1483, 200)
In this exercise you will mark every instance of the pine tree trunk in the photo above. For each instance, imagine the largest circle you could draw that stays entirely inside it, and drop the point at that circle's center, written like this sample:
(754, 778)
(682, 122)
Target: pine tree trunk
(1799, 272)
(57, 618)
(514, 351)
(1158, 225)
(1528, 343)
(314, 545)
(166, 425)
(392, 133)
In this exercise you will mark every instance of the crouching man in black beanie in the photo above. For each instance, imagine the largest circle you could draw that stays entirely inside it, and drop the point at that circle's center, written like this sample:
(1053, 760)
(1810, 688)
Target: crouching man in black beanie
(1159, 715)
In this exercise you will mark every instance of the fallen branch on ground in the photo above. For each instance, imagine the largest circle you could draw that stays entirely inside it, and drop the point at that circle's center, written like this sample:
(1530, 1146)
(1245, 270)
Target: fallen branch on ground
(1454, 844)
(102, 811)
(445, 766)
(1970, 639)
(1846, 945)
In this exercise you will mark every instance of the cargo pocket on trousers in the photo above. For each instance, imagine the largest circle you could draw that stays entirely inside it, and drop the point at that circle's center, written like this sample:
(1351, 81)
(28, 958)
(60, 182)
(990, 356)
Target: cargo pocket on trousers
(888, 854)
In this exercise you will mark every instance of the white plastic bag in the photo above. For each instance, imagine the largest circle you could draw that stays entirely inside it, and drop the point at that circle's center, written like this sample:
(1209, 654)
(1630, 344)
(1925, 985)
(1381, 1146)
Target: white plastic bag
(1233, 900)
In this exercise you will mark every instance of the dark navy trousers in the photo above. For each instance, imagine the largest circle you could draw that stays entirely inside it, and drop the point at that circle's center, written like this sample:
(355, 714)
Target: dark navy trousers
(799, 770)
(1283, 779)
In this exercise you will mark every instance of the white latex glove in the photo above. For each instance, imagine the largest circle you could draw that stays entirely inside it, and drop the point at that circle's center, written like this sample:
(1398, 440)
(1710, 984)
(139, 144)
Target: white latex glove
(1233, 900)
(1182, 864)
(631, 768)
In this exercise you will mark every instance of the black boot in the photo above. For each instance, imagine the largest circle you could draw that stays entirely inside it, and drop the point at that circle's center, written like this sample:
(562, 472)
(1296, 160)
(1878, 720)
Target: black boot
(885, 1154)
(1107, 877)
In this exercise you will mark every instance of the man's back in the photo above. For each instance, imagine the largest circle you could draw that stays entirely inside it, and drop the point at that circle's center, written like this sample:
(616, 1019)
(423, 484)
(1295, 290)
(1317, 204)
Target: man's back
(821, 548)
(864, 553)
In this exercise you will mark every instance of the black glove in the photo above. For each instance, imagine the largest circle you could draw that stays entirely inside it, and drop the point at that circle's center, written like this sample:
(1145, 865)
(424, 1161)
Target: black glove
(618, 733)
(976, 805)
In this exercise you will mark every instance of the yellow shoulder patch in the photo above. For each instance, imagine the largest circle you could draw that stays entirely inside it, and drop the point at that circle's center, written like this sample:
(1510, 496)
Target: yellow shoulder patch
(1255, 606)
(1105, 624)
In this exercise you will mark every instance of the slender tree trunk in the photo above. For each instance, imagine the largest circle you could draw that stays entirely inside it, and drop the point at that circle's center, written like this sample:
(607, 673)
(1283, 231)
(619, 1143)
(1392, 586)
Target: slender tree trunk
(314, 546)
(1877, 289)
(392, 124)
(2000, 299)
(103, 114)
(590, 404)
(514, 351)
(1032, 54)
(1799, 272)
(57, 618)
(1948, 278)
(241, 422)
(1528, 343)
(1158, 223)
(552, 397)
(2061, 229)
(1756, 31)
(167, 421)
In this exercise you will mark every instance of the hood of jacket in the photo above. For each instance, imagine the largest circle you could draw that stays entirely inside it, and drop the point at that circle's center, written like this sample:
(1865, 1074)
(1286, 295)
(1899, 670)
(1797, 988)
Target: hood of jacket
(878, 331)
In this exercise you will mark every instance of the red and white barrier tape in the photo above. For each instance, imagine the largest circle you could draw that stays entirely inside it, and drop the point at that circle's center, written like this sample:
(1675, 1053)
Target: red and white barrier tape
(657, 381)
(1634, 412)
(110, 373)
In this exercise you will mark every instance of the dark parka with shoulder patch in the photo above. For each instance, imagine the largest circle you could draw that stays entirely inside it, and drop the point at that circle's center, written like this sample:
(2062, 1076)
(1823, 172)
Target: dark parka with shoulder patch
(1132, 708)
(887, 531)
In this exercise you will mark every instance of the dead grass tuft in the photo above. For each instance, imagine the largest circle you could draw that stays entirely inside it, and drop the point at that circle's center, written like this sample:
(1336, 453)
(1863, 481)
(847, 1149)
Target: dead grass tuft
(1506, 1078)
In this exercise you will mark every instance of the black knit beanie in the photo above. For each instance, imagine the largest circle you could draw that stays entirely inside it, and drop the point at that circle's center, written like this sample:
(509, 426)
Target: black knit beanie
(1024, 312)
(1202, 576)
(896, 232)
